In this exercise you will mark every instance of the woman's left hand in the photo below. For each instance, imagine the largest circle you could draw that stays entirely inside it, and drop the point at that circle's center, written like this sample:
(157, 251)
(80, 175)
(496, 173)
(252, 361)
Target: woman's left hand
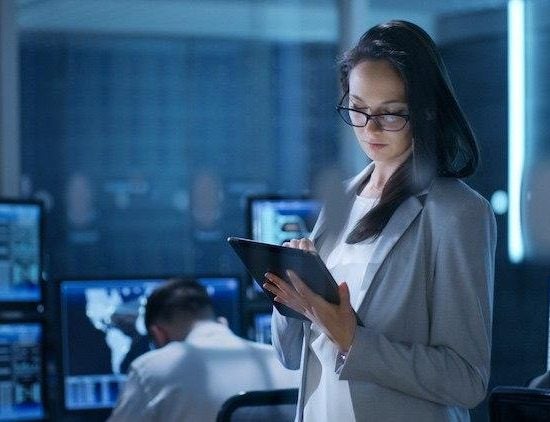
(338, 322)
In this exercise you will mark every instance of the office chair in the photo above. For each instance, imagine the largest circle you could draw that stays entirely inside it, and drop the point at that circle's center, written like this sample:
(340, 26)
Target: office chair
(519, 404)
(264, 406)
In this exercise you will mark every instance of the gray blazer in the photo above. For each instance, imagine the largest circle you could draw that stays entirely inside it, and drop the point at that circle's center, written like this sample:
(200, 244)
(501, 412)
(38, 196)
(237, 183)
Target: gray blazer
(424, 352)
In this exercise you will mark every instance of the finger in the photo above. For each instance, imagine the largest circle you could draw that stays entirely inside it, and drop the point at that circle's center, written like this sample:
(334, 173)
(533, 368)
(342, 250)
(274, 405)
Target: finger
(287, 293)
(295, 243)
(274, 281)
(306, 244)
(289, 298)
(278, 282)
(343, 293)
(270, 287)
(275, 285)
(298, 284)
(296, 306)
(286, 244)
(281, 288)
(277, 293)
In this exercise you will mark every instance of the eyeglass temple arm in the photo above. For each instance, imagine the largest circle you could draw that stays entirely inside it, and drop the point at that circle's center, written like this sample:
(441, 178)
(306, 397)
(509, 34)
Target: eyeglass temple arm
(343, 96)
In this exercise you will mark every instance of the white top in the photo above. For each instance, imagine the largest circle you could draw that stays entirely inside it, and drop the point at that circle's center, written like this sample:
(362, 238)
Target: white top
(191, 379)
(326, 397)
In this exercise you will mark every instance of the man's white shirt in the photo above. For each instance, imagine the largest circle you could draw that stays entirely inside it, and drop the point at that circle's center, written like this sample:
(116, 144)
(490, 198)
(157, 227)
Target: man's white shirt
(190, 380)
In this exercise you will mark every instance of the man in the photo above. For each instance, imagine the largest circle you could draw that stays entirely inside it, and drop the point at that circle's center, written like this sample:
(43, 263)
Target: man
(199, 362)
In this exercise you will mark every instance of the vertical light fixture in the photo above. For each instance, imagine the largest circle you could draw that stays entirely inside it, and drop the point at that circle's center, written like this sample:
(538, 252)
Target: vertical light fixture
(516, 125)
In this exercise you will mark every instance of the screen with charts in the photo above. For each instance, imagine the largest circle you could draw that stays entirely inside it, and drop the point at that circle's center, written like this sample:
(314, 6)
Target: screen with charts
(21, 371)
(278, 219)
(103, 331)
(20, 254)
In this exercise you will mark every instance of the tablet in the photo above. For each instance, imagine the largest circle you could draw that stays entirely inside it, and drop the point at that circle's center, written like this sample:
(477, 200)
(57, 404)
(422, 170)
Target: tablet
(260, 258)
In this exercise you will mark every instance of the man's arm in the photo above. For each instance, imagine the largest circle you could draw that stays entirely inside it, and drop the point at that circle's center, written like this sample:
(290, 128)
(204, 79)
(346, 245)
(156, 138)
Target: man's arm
(132, 403)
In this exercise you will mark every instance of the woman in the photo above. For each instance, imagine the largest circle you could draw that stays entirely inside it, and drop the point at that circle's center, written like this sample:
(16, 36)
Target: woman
(415, 249)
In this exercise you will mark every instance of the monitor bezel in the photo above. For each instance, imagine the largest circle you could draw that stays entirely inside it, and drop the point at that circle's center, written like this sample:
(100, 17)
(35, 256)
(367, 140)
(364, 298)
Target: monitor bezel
(21, 309)
(43, 364)
(103, 413)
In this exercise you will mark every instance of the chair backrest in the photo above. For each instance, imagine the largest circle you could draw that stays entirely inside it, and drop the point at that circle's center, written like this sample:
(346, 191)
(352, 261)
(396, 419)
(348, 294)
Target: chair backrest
(264, 406)
(519, 404)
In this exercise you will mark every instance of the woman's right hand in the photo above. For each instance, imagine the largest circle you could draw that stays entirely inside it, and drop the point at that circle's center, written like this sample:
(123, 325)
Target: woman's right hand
(337, 321)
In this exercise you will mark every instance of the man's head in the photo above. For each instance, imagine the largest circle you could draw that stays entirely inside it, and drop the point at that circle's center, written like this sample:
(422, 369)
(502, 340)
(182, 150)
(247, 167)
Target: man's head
(173, 308)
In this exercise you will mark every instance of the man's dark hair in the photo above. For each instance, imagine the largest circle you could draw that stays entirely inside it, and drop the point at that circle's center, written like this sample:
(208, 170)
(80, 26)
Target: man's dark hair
(178, 298)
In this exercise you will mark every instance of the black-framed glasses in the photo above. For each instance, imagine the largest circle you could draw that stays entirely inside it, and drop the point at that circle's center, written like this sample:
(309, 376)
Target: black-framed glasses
(391, 122)
(385, 121)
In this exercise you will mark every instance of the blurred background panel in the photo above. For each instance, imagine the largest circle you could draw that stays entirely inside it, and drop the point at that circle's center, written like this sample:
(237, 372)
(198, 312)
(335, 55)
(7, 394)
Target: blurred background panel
(160, 117)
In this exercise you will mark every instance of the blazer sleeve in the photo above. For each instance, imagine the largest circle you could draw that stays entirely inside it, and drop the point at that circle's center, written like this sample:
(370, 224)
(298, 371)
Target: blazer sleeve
(453, 368)
(287, 335)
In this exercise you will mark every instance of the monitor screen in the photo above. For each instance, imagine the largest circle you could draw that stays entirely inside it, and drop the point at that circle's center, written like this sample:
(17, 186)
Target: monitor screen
(225, 294)
(21, 373)
(278, 219)
(262, 328)
(20, 254)
(103, 331)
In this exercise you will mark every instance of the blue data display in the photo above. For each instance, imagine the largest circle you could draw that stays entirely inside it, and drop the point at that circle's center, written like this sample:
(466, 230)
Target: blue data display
(20, 255)
(225, 295)
(21, 371)
(262, 328)
(276, 220)
(107, 316)
(279, 220)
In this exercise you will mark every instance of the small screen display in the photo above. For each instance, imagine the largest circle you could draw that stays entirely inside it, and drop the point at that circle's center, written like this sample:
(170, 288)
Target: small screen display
(21, 372)
(262, 328)
(279, 220)
(20, 255)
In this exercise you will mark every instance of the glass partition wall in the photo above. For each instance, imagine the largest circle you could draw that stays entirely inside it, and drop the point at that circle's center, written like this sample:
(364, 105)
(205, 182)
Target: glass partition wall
(144, 128)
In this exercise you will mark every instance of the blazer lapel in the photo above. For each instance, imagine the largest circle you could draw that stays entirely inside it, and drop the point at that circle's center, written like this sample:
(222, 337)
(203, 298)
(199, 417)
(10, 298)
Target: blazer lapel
(332, 220)
(398, 224)
(335, 214)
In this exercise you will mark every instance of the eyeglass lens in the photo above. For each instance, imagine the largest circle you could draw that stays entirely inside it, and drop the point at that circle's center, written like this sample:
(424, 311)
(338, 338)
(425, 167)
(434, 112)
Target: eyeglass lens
(389, 122)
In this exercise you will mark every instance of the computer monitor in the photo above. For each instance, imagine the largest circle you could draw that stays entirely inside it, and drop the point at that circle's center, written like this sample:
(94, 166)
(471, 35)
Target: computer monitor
(276, 219)
(103, 331)
(21, 374)
(20, 251)
(262, 327)
(225, 293)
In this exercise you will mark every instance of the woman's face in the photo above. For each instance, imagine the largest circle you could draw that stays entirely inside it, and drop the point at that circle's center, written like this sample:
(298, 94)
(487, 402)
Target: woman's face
(375, 87)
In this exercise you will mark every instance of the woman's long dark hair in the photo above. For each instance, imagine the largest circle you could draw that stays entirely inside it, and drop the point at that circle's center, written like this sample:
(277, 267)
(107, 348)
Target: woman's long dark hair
(443, 145)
